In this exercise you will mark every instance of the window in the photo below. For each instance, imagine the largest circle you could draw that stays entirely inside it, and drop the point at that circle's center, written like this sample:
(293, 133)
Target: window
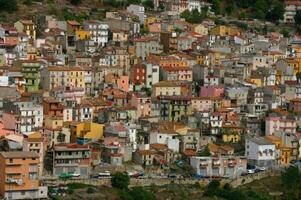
(11, 160)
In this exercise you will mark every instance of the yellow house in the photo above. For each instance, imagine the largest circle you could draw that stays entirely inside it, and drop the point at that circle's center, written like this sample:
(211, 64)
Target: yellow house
(285, 152)
(296, 63)
(53, 123)
(150, 20)
(225, 31)
(231, 134)
(256, 81)
(87, 130)
(82, 35)
(200, 29)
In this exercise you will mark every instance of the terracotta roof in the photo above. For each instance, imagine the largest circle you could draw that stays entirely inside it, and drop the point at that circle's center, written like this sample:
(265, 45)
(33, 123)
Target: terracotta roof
(19, 154)
(73, 23)
(26, 22)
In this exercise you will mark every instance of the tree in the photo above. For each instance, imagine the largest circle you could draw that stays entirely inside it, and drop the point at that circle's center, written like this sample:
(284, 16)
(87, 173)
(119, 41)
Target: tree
(216, 7)
(260, 9)
(276, 13)
(138, 193)
(120, 180)
(212, 188)
(148, 4)
(8, 5)
(61, 137)
(134, 1)
(185, 14)
(297, 17)
(75, 2)
(205, 151)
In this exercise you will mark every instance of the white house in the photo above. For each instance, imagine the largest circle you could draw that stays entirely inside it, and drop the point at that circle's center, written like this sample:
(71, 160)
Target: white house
(260, 151)
(98, 31)
(168, 138)
(137, 10)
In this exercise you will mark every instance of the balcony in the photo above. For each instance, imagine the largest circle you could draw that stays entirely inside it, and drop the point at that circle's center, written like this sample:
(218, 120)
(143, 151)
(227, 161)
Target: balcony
(72, 156)
(216, 162)
(203, 163)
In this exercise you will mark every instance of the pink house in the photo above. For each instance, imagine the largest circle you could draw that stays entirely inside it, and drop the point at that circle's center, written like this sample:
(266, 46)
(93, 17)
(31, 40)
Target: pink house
(9, 121)
(3, 131)
(273, 124)
(53, 23)
(142, 104)
(154, 28)
(212, 91)
(201, 104)
(123, 83)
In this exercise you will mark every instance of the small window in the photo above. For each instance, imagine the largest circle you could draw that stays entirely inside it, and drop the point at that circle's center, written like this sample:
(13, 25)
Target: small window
(33, 158)
(24, 158)
(11, 160)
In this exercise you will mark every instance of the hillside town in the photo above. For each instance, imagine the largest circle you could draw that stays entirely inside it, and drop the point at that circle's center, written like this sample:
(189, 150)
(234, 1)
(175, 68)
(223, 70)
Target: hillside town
(148, 94)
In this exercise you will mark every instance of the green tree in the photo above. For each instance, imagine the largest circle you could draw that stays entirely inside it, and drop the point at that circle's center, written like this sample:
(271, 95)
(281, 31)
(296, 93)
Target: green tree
(138, 193)
(216, 6)
(8, 5)
(75, 2)
(277, 11)
(120, 180)
(205, 151)
(185, 14)
(297, 17)
(260, 9)
(213, 188)
(134, 1)
(230, 7)
(148, 4)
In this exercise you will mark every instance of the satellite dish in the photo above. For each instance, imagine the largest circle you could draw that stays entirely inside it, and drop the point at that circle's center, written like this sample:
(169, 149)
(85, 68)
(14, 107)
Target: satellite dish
(20, 182)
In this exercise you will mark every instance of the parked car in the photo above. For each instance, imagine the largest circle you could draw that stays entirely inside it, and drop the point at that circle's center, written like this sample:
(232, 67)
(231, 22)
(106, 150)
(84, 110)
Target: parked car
(172, 175)
(261, 168)
(75, 174)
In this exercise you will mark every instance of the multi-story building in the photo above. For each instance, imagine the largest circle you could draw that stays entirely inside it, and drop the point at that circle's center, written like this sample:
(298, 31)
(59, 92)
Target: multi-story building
(260, 151)
(53, 77)
(71, 158)
(137, 10)
(228, 166)
(172, 108)
(22, 116)
(31, 74)
(52, 107)
(171, 88)
(85, 130)
(283, 124)
(36, 142)
(147, 45)
(291, 8)
(28, 27)
(20, 176)
(98, 31)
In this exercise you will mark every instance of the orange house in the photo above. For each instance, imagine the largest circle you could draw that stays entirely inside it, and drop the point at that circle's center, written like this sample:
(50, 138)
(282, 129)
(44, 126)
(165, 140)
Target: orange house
(19, 175)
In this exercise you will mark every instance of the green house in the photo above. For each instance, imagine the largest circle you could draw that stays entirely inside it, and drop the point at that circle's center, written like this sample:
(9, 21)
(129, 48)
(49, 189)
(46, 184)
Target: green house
(31, 74)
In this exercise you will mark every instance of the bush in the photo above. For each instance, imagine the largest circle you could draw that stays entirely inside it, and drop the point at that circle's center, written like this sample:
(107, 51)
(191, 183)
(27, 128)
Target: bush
(138, 193)
(120, 180)
(90, 190)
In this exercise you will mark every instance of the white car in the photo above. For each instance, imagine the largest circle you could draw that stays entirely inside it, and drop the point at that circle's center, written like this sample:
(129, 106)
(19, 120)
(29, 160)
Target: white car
(75, 175)
(251, 171)
(261, 168)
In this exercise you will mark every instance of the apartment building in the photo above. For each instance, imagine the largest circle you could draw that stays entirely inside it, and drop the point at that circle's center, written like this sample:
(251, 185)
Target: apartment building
(98, 31)
(291, 7)
(19, 173)
(228, 166)
(71, 158)
(28, 27)
(53, 77)
(260, 151)
(274, 123)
